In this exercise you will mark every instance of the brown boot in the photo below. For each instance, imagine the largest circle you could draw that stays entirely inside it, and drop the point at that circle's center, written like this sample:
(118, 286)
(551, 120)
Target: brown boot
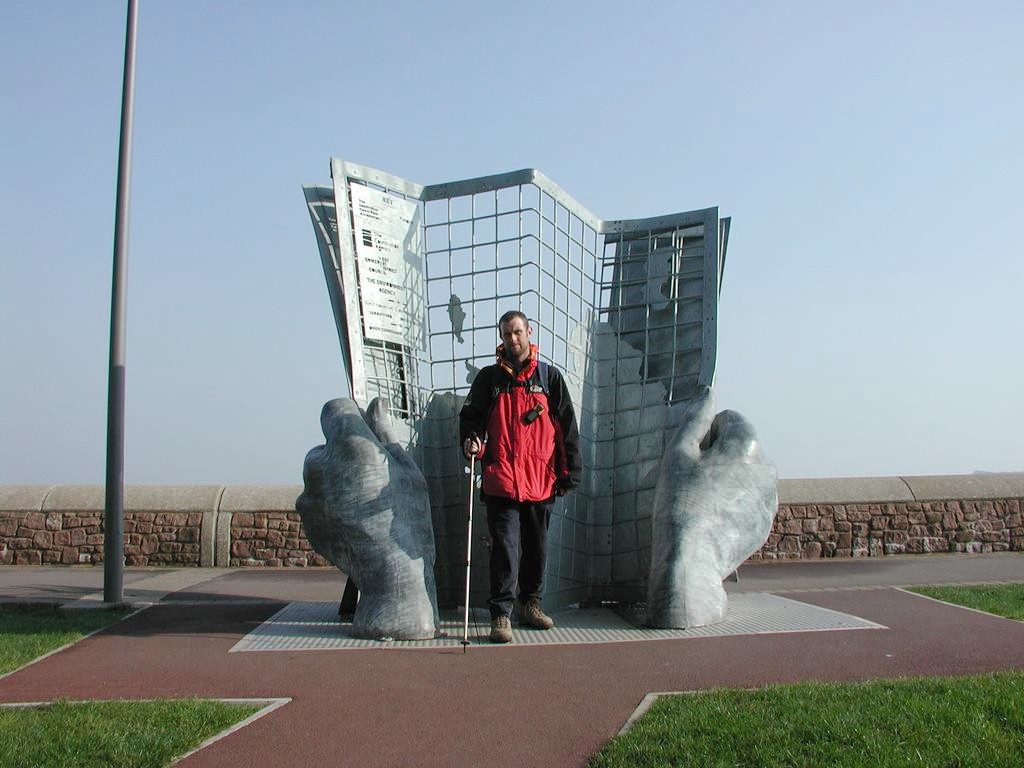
(530, 615)
(501, 630)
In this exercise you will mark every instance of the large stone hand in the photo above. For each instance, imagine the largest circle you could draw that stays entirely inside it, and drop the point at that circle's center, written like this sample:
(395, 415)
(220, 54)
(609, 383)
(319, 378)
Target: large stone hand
(714, 504)
(365, 507)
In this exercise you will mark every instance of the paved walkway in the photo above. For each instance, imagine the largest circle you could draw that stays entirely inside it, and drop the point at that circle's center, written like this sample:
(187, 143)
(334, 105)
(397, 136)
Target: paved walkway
(550, 705)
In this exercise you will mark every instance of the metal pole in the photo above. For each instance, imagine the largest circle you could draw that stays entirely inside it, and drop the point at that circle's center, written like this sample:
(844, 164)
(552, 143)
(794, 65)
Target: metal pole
(113, 515)
(469, 548)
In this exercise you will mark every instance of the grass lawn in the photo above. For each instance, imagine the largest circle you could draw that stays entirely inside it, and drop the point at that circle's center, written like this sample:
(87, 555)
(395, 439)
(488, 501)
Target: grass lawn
(950, 722)
(108, 734)
(1001, 599)
(977, 721)
(111, 734)
(27, 632)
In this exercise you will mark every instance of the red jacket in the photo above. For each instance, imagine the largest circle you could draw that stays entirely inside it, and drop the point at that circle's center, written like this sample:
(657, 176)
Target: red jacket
(531, 435)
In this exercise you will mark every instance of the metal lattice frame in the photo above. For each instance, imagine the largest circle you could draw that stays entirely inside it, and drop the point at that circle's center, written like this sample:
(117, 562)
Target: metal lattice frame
(626, 309)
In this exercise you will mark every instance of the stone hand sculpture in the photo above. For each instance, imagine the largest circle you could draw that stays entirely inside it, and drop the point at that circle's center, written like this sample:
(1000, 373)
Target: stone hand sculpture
(715, 501)
(365, 507)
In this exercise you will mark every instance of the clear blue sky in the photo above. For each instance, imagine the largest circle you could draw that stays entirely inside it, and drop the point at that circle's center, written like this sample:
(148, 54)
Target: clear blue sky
(870, 155)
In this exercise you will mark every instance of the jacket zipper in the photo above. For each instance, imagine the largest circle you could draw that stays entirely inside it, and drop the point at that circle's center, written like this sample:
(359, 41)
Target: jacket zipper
(514, 439)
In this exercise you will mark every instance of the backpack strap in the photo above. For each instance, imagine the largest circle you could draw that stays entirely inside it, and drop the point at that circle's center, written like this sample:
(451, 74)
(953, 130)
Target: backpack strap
(543, 375)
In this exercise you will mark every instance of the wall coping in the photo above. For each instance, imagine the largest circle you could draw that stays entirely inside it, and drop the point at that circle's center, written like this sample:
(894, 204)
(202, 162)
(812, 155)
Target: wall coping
(844, 490)
(259, 498)
(23, 498)
(91, 498)
(909, 488)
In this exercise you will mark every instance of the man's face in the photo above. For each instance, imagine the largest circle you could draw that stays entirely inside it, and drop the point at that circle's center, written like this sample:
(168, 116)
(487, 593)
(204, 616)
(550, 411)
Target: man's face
(515, 335)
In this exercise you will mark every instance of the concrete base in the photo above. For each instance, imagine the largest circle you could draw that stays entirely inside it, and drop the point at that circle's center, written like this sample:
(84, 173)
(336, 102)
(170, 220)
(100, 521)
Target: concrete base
(305, 626)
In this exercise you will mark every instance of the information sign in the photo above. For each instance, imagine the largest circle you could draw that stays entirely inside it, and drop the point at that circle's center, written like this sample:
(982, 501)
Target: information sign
(387, 237)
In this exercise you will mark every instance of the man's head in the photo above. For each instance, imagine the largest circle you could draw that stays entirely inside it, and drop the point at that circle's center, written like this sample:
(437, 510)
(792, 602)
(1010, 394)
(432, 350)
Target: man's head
(515, 332)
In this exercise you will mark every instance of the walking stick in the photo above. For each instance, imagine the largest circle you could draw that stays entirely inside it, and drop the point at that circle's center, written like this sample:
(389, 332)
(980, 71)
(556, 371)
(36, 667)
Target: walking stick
(469, 545)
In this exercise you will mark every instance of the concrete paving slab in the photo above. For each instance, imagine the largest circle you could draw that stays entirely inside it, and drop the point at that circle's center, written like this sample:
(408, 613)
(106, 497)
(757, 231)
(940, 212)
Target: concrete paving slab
(891, 570)
(59, 584)
(142, 586)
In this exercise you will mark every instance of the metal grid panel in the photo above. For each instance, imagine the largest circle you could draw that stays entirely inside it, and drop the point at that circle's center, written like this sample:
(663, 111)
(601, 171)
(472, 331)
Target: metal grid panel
(513, 246)
(658, 303)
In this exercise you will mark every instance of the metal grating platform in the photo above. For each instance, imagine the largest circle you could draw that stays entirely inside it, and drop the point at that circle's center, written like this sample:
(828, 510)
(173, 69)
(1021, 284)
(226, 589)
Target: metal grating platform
(303, 626)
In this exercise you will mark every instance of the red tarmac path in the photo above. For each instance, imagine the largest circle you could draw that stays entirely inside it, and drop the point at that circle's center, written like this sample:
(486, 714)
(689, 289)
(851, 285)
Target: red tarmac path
(552, 705)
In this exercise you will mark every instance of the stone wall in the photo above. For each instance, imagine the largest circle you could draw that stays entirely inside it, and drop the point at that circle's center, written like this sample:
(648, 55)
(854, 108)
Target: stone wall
(260, 528)
(210, 526)
(50, 539)
(163, 525)
(257, 526)
(853, 517)
(810, 531)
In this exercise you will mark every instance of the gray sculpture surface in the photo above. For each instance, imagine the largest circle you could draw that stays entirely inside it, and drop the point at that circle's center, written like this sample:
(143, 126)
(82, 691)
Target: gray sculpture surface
(628, 310)
(714, 504)
(365, 507)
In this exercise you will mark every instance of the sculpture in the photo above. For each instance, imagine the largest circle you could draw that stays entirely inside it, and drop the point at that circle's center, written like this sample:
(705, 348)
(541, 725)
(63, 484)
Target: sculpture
(627, 307)
(365, 507)
(714, 504)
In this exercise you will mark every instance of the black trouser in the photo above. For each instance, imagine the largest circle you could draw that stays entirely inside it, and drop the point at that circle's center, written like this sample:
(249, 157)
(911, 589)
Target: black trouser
(519, 547)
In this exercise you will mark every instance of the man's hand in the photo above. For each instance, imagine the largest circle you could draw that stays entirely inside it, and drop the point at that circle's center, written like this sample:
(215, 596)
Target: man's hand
(714, 504)
(365, 507)
(472, 446)
(564, 486)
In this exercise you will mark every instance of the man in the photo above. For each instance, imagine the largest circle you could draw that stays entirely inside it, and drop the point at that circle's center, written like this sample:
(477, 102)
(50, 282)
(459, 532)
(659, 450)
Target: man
(519, 420)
